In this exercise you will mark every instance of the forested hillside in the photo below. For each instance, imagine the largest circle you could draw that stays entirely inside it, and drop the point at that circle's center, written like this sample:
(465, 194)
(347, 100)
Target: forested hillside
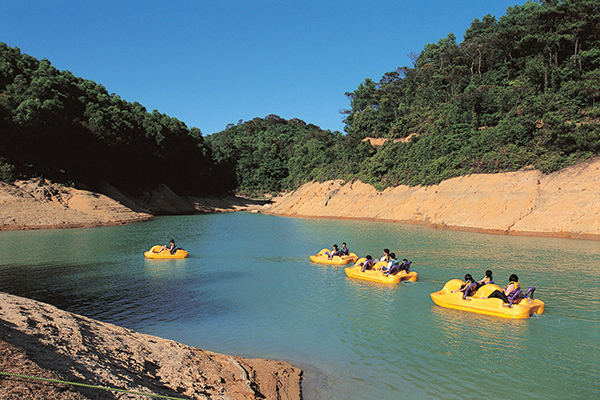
(272, 154)
(71, 130)
(519, 91)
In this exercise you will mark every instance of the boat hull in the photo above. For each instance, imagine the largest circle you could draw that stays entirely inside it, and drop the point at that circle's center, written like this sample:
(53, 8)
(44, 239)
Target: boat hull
(156, 253)
(450, 297)
(376, 275)
(323, 258)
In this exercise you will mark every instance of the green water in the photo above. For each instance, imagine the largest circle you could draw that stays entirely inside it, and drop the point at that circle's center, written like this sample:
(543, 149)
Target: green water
(249, 289)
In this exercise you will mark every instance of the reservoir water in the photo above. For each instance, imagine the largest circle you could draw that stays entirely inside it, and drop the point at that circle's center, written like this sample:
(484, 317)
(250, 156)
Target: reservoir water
(249, 289)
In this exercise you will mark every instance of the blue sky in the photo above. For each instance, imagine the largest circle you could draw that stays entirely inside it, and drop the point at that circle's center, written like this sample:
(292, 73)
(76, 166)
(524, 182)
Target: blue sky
(211, 63)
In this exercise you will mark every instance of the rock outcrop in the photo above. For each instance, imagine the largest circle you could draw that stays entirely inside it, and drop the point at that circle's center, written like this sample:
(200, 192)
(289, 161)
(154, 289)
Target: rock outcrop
(44, 341)
(39, 204)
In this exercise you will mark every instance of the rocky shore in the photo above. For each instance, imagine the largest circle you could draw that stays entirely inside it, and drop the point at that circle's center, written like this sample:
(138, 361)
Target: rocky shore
(42, 341)
(562, 204)
(39, 204)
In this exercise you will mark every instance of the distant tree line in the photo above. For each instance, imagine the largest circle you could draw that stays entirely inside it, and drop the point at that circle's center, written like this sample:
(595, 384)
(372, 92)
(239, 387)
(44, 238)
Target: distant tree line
(271, 154)
(519, 91)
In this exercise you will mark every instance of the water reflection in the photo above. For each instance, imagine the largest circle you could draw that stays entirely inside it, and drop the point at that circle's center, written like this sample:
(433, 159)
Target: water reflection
(488, 333)
(165, 268)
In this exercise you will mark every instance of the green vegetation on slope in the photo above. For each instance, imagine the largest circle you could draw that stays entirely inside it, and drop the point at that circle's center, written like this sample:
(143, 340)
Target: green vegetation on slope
(520, 91)
(273, 154)
(69, 129)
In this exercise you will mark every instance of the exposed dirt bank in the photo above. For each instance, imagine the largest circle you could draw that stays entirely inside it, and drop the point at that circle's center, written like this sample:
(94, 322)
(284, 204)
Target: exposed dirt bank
(39, 204)
(562, 204)
(40, 340)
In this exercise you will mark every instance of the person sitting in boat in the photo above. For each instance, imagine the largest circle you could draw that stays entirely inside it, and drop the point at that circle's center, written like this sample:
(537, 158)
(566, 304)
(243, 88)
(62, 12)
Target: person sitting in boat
(470, 286)
(487, 278)
(368, 264)
(345, 250)
(405, 266)
(172, 247)
(386, 255)
(392, 262)
(398, 267)
(513, 285)
(335, 252)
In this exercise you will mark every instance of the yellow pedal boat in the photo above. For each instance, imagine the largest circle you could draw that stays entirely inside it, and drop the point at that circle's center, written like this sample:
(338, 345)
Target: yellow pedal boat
(155, 252)
(323, 258)
(450, 297)
(376, 275)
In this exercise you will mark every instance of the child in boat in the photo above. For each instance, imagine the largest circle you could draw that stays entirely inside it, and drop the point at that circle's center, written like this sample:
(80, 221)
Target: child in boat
(395, 266)
(335, 252)
(386, 255)
(405, 266)
(172, 247)
(487, 278)
(391, 263)
(470, 286)
(368, 264)
(513, 285)
(344, 250)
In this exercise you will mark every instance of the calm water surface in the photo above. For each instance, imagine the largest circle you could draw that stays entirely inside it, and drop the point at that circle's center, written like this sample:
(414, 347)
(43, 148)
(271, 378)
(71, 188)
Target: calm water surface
(249, 289)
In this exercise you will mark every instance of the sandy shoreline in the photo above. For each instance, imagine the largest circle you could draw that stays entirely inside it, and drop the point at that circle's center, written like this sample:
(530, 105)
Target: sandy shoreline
(39, 204)
(564, 204)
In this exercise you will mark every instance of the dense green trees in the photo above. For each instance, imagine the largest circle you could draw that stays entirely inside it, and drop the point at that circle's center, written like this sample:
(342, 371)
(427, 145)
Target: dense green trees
(521, 90)
(272, 154)
(70, 129)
